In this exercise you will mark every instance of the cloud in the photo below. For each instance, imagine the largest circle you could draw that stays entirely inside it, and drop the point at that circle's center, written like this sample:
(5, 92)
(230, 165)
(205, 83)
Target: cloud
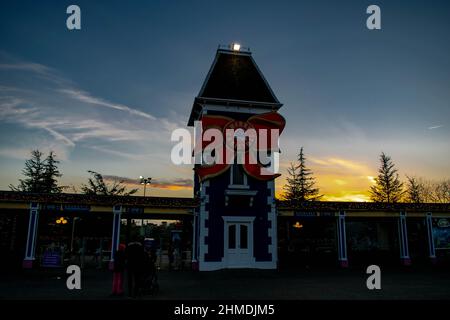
(119, 153)
(66, 114)
(27, 66)
(160, 183)
(435, 127)
(338, 178)
(16, 110)
(173, 184)
(24, 153)
(340, 164)
(35, 69)
(87, 98)
(344, 196)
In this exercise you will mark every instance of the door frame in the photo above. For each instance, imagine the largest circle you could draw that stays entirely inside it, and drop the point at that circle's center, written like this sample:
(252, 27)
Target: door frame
(238, 219)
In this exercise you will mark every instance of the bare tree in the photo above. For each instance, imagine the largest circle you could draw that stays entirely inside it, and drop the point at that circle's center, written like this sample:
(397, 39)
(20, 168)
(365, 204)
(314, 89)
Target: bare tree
(427, 191)
(441, 191)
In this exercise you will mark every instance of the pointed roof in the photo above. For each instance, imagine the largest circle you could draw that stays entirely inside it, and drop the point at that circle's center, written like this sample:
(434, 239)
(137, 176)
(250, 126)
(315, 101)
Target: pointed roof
(234, 79)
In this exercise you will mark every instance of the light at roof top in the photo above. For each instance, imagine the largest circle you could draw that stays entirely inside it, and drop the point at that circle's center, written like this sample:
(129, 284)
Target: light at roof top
(236, 46)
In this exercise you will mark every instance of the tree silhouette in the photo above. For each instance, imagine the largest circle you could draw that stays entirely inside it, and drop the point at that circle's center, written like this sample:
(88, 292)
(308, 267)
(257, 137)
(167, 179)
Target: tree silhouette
(300, 182)
(41, 175)
(414, 190)
(97, 186)
(388, 187)
(51, 174)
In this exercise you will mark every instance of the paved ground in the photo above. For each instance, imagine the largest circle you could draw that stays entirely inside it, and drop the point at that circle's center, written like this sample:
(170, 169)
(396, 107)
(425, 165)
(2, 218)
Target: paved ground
(239, 284)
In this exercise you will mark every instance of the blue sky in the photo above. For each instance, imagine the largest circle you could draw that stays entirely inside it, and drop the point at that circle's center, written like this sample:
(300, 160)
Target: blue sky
(107, 97)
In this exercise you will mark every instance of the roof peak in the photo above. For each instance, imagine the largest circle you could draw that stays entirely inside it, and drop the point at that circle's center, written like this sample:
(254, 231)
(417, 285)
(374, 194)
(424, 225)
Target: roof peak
(234, 78)
(234, 48)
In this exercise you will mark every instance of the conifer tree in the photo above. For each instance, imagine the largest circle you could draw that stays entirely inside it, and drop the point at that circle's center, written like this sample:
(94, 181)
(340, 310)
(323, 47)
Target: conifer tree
(300, 182)
(388, 187)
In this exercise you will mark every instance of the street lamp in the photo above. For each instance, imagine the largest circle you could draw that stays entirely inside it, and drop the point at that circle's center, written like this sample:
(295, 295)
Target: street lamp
(145, 182)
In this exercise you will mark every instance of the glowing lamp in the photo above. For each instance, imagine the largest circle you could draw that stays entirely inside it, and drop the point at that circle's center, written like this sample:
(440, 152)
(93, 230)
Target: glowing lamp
(61, 220)
(297, 225)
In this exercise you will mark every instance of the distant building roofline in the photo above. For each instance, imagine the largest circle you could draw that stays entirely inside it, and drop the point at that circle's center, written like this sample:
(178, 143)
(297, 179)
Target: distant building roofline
(187, 203)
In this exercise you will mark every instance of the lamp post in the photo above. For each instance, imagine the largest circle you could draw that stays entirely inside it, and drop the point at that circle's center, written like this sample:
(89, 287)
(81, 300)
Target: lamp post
(145, 182)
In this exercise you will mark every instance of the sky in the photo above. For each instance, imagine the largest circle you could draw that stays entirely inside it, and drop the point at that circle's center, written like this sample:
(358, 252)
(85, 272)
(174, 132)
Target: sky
(107, 97)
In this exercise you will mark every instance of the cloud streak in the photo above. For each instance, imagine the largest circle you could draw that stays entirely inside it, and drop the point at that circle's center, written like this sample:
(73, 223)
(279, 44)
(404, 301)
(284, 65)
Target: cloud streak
(87, 98)
(435, 127)
(27, 66)
(160, 183)
(66, 114)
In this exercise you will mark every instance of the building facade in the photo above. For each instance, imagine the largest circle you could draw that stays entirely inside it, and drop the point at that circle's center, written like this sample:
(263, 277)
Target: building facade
(236, 223)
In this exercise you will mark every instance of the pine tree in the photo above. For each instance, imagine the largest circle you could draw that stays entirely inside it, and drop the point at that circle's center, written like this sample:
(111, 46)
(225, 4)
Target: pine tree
(97, 186)
(414, 190)
(51, 174)
(291, 190)
(33, 172)
(388, 187)
(300, 183)
(40, 174)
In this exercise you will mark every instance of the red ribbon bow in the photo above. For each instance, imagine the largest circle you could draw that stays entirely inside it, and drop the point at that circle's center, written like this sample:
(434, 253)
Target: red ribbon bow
(268, 121)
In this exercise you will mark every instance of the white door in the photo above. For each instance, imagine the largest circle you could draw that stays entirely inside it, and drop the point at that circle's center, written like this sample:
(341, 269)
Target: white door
(237, 247)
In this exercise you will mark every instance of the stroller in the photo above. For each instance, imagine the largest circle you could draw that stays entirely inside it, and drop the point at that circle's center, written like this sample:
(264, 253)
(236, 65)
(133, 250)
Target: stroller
(149, 285)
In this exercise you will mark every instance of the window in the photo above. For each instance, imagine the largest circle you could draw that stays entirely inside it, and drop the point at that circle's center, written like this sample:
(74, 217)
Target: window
(237, 175)
(243, 236)
(232, 236)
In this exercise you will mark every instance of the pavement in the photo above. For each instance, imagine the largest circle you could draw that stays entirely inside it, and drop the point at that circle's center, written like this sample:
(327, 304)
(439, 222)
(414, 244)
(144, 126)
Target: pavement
(295, 284)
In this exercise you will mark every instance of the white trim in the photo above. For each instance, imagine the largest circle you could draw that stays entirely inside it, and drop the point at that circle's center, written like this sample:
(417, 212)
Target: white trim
(232, 108)
(115, 246)
(204, 215)
(429, 226)
(403, 236)
(238, 186)
(194, 235)
(241, 192)
(34, 212)
(238, 219)
(342, 237)
(272, 218)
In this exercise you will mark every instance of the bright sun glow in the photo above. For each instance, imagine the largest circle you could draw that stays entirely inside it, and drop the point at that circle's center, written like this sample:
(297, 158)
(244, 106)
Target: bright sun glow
(371, 179)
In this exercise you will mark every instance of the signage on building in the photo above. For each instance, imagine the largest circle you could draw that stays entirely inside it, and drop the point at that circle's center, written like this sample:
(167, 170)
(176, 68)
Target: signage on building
(305, 214)
(134, 210)
(313, 214)
(76, 207)
(51, 259)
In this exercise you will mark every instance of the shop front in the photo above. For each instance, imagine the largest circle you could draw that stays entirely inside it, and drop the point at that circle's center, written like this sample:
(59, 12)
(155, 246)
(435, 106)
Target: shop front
(372, 240)
(307, 239)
